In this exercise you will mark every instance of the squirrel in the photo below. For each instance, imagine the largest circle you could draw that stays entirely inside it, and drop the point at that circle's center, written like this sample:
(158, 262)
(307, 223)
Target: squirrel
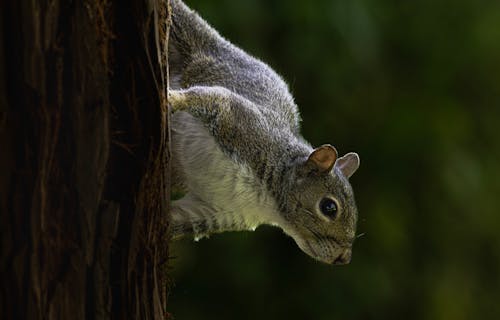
(237, 153)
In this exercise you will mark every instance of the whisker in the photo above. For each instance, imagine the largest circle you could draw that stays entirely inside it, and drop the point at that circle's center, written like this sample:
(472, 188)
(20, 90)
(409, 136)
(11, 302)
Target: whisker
(360, 235)
(309, 212)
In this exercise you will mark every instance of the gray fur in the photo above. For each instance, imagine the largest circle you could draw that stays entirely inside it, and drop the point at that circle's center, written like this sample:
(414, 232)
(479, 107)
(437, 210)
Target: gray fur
(237, 151)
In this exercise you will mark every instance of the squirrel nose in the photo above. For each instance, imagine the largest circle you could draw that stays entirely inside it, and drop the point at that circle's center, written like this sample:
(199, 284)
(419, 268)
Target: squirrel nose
(344, 257)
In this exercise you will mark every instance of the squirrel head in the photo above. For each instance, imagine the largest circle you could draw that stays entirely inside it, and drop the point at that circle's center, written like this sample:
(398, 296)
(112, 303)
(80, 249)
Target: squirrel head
(320, 210)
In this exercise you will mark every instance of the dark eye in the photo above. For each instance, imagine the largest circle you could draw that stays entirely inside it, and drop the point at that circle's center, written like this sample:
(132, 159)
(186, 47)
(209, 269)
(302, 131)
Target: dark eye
(328, 207)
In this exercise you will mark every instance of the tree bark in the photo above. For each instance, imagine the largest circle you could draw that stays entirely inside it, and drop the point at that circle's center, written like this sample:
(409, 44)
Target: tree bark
(84, 159)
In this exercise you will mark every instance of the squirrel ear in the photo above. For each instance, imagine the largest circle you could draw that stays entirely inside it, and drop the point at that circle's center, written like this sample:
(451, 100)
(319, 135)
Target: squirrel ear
(348, 164)
(323, 158)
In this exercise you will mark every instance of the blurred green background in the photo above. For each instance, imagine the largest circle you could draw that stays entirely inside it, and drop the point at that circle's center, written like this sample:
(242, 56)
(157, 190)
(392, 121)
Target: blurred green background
(414, 88)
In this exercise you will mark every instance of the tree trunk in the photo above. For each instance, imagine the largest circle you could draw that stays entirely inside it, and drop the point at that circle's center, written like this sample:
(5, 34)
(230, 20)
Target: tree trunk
(84, 159)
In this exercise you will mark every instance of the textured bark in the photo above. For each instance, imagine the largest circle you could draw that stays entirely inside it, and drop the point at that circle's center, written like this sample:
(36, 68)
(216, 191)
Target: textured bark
(84, 159)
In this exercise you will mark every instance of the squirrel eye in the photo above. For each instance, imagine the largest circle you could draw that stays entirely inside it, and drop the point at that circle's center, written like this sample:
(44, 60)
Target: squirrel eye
(328, 207)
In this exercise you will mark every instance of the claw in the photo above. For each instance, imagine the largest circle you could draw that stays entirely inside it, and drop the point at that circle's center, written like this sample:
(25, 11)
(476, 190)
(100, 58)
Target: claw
(176, 99)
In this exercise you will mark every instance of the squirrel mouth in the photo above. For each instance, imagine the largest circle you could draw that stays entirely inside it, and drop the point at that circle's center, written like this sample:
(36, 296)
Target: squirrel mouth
(343, 258)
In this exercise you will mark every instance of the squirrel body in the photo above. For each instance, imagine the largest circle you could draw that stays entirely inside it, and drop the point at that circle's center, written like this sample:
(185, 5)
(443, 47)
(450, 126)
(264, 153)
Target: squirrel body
(238, 200)
(238, 154)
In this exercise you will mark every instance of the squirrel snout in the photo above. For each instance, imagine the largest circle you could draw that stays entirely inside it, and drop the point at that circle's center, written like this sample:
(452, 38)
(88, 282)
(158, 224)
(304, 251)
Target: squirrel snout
(344, 257)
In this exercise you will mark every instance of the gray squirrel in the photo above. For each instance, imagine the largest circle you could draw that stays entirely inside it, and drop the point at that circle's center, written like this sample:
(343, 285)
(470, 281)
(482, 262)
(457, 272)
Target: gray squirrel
(237, 152)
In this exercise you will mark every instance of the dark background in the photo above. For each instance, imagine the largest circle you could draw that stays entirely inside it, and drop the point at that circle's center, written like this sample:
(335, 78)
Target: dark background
(414, 88)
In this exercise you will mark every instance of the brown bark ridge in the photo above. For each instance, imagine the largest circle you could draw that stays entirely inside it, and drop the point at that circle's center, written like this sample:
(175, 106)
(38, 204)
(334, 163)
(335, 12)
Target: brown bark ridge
(84, 159)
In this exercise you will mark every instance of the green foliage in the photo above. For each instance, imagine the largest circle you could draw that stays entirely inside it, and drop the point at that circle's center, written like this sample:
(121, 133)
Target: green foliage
(413, 87)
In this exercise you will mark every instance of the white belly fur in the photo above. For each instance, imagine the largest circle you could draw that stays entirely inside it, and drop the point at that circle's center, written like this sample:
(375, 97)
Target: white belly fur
(217, 180)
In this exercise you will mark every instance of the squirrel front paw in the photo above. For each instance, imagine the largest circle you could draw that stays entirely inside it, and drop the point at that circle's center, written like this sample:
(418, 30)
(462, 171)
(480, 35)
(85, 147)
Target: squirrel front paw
(176, 99)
